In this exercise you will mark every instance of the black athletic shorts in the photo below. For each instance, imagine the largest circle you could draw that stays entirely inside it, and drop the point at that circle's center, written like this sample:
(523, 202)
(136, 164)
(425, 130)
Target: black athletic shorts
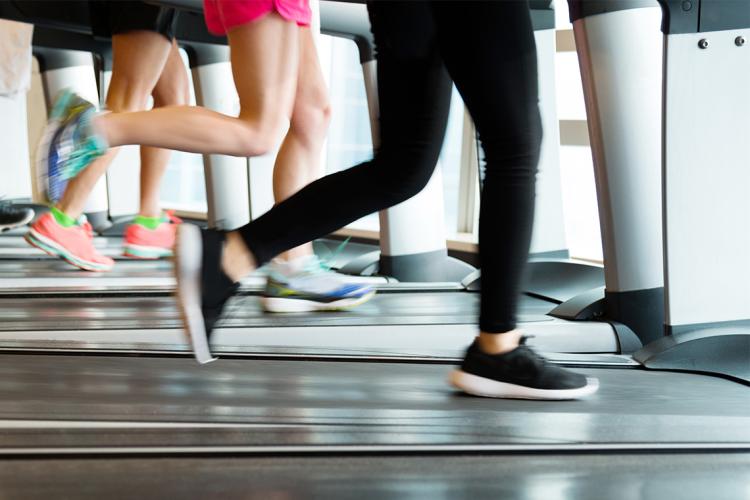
(119, 16)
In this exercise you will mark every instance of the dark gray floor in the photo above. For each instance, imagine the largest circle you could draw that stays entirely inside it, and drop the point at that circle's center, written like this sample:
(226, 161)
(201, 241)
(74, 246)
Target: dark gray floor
(296, 403)
(527, 477)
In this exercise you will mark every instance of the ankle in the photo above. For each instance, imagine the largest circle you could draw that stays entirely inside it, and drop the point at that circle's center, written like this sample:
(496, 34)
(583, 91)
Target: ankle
(151, 214)
(150, 222)
(499, 343)
(62, 217)
(236, 260)
(297, 254)
(101, 127)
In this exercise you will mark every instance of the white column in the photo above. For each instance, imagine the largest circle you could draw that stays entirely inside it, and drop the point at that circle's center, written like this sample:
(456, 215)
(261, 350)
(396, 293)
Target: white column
(620, 58)
(226, 176)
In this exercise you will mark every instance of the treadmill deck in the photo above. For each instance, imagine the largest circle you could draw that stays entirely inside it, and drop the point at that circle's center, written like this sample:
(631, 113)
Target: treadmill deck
(455, 477)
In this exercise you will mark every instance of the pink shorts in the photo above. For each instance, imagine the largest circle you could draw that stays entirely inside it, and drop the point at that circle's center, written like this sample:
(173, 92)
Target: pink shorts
(223, 15)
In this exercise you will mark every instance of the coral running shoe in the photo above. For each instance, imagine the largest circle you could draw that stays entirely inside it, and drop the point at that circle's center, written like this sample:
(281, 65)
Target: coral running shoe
(143, 242)
(74, 244)
(69, 143)
(307, 285)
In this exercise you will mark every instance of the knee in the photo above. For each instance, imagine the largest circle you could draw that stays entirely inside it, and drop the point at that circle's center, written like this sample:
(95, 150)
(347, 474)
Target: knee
(514, 152)
(310, 121)
(125, 96)
(401, 177)
(177, 94)
(258, 139)
(250, 144)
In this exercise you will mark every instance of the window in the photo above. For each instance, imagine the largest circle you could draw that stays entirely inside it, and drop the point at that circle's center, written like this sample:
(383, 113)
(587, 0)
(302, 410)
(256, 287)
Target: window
(350, 139)
(576, 164)
(450, 163)
(349, 136)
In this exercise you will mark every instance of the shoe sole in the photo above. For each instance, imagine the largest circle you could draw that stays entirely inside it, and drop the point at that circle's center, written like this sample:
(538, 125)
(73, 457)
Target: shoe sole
(188, 257)
(284, 305)
(54, 249)
(146, 253)
(8, 227)
(49, 133)
(488, 388)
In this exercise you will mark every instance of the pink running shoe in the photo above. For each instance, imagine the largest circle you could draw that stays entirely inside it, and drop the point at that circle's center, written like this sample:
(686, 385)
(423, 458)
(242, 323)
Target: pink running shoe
(74, 244)
(144, 243)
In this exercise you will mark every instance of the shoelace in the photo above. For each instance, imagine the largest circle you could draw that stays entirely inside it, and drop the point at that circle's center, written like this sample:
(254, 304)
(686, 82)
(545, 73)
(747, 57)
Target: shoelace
(88, 229)
(537, 360)
(317, 265)
(326, 264)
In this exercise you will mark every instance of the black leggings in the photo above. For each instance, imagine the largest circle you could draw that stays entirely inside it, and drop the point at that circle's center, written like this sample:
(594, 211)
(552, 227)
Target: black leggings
(487, 48)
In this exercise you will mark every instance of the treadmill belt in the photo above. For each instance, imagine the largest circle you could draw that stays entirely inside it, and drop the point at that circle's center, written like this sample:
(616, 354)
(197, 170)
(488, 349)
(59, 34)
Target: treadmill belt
(134, 277)
(161, 312)
(400, 325)
(104, 402)
(533, 477)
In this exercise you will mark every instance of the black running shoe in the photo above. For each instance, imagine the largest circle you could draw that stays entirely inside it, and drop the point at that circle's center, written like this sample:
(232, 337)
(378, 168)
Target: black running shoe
(12, 216)
(202, 287)
(519, 374)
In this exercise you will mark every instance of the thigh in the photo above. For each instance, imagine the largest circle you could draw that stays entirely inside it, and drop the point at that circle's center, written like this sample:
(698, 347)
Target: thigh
(490, 53)
(311, 89)
(413, 86)
(138, 58)
(265, 65)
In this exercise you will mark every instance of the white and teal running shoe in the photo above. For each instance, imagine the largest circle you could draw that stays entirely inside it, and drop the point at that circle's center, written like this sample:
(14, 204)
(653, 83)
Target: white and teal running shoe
(306, 285)
(69, 143)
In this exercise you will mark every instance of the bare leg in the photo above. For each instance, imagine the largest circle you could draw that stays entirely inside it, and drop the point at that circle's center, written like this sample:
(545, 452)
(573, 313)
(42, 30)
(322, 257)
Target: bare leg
(77, 191)
(298, 161)
(138, 57)
(265, 60)
(173, 88)
(236, 260)
(496, 343)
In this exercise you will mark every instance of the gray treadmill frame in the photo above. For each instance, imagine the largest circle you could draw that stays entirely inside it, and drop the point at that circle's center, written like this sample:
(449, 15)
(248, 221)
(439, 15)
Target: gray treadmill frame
(714, 337)
(721, 343)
